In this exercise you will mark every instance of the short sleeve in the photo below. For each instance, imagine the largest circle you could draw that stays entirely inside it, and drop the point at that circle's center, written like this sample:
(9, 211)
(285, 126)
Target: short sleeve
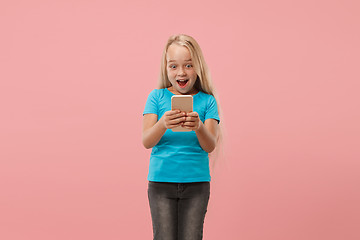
(151, 105)
(212, 109)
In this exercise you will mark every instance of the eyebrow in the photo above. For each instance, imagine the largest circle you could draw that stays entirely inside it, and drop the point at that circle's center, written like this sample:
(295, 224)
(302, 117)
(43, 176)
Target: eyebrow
(175, 61)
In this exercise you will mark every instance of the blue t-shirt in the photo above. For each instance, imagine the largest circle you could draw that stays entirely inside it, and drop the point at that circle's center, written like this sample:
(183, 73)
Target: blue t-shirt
(178, 156)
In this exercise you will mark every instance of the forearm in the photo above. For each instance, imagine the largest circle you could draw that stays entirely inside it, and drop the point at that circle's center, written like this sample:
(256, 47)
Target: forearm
(153, 135)
(206, 139)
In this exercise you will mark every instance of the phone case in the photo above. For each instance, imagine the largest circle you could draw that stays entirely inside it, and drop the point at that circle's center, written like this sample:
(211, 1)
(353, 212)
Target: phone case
(183, 103)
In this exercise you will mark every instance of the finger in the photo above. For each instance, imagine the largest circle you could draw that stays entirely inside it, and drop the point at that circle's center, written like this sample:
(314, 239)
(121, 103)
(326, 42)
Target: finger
(188, 127)
(190, 119)
(188, 124)
(172, 112)
(192, 114)
(177, 120)
(176, 116)
(174, 126)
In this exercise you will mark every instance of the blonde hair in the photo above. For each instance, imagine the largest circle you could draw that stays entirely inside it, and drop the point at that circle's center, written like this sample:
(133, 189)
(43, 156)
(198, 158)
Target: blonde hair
(203, 82)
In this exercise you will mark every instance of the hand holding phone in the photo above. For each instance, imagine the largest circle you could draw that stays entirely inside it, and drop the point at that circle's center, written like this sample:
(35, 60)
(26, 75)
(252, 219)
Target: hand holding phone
(183, 103)
(173, 119)
(192, 121)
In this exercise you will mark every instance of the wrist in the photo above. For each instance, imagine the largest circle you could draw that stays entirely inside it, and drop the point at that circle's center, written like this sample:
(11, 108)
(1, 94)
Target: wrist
(162, 124)
(201, 125)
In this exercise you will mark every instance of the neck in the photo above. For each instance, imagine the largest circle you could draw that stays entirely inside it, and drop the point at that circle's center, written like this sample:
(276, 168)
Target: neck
(191, 92)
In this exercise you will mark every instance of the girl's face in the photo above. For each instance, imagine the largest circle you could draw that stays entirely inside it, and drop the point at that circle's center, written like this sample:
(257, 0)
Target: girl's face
(180, 70)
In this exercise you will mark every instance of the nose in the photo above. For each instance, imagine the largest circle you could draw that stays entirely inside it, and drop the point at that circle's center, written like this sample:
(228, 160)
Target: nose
(181, 71)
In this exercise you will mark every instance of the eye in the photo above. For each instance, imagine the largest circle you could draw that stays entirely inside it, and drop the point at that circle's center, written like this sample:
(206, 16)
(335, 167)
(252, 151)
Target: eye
(172, 66)
(189, 65)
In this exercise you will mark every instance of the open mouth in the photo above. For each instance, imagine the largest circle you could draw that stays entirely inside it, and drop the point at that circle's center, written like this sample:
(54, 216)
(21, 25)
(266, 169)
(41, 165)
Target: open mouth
(182, 83)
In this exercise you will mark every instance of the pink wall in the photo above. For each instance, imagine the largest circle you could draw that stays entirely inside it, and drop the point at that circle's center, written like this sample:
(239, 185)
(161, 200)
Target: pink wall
(74, 79)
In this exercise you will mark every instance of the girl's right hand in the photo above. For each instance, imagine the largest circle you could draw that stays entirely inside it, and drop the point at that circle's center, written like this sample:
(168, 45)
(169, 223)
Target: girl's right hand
(172, 119)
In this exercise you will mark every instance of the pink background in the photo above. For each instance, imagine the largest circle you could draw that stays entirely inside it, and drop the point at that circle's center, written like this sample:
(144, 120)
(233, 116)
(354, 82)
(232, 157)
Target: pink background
(75, 76)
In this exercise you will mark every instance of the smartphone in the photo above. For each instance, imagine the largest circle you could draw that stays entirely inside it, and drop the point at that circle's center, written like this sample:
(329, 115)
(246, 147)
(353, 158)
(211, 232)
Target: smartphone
(183, 103)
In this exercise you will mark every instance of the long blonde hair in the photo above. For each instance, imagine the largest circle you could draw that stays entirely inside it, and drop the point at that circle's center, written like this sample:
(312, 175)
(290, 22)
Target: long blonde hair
(203, 82)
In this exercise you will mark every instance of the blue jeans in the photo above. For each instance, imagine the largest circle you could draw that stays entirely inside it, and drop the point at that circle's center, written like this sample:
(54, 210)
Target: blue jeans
(178, 209)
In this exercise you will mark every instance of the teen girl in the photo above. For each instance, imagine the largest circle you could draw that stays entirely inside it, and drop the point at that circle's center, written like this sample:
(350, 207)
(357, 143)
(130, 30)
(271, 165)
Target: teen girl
(179, 176)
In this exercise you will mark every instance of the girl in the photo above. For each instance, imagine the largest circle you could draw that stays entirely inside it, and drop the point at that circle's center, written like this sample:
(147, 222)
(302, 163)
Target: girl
(179, 176)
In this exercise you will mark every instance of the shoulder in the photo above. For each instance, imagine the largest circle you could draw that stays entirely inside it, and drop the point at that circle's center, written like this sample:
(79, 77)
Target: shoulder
(157, 93)
(154, 92)
(208, 98)
(205, 95)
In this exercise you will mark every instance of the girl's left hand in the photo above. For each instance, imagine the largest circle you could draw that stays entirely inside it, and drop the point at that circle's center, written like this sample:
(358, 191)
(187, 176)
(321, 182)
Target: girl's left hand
(192, 121)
